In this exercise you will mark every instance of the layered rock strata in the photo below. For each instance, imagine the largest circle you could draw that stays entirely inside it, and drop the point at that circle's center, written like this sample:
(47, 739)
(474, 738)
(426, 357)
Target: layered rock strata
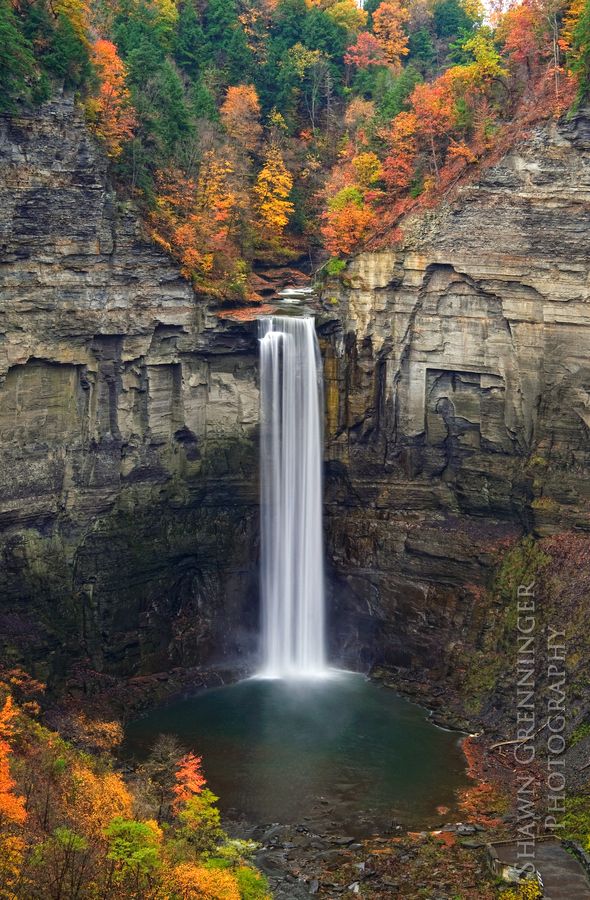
(128, 419)
(458, 414)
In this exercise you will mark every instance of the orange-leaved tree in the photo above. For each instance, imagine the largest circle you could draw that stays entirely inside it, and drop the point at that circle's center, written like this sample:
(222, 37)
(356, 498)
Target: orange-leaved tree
(111, 113)
(388, 24)
(399, 165)
(189, 779)
(367, 51)
(95, 799)
(12, 805)
(240, 114)
(194, 218)
(571, 17)
(434, 108)
(177, 225)
(346, 221)
(522, 32)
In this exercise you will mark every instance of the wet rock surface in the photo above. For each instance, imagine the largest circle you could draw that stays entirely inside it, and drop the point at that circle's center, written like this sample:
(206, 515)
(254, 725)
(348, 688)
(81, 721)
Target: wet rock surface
(313, 859)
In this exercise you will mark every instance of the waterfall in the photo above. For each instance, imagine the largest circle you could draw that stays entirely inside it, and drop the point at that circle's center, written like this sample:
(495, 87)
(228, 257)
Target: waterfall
(291, 399)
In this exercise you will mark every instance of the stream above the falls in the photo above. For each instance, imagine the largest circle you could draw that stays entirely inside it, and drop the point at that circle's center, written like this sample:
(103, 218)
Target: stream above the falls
(341, 750)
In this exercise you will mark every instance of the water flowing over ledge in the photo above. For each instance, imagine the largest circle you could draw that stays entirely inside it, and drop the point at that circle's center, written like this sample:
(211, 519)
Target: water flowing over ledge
(292, 556)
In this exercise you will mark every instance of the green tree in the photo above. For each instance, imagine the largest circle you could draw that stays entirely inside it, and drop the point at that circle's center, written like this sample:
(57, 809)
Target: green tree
(17, 63)
(289, 18)
(422, 53)
(580, 56)
(253, 885)
(172, 121)
(202, 102)
(451, 19)
(221, 17)
(144, 63)
(67, 57)
(320, 32)
(239, 59)
(137, 25)
(391, 92)
(200, 823)
(189, 45)
(134, 847)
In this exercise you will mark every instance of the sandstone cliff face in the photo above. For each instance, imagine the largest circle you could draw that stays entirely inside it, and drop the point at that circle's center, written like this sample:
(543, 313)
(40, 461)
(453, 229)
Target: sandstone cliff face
(128, 415)
(458, 392)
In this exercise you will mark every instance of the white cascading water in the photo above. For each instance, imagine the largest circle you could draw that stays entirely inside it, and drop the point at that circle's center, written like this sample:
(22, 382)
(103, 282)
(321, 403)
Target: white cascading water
(291, 398)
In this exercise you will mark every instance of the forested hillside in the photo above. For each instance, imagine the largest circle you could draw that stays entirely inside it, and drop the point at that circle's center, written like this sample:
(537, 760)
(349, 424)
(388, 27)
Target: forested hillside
(258, 130)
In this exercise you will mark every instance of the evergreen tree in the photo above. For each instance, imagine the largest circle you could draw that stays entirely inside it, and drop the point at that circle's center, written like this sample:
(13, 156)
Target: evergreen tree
(240, 63)
(371, 5)
(451, 19)
(581, 55)
(172, 122)
(137, 25)
(320, 32)
(221, 17)
(67, 57)
(422, 53)
(189, 45)
(392, 92)
(17, 63)
(289, 18)
(202, 102)
(144, 63)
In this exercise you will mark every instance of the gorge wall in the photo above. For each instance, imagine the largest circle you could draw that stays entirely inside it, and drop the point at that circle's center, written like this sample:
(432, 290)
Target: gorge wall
(128, 420)
(458, 415)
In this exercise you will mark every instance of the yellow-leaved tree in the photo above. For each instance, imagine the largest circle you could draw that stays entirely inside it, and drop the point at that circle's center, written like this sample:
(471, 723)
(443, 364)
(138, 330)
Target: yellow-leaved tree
(273, 187)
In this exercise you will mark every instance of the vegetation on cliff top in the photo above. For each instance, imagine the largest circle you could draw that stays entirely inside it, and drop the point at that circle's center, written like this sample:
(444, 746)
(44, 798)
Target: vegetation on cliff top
(72, 826)
(257, 130)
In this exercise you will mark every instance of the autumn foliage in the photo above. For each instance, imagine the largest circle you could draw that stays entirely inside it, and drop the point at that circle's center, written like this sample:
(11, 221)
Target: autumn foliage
(240, 114)
(367, 51)
(189, 779)
(272, 189)
(111, 113)
(193, 882)
(72, 826)
(12, 805)
(388, 24)
(256, 133)
(516, 71)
